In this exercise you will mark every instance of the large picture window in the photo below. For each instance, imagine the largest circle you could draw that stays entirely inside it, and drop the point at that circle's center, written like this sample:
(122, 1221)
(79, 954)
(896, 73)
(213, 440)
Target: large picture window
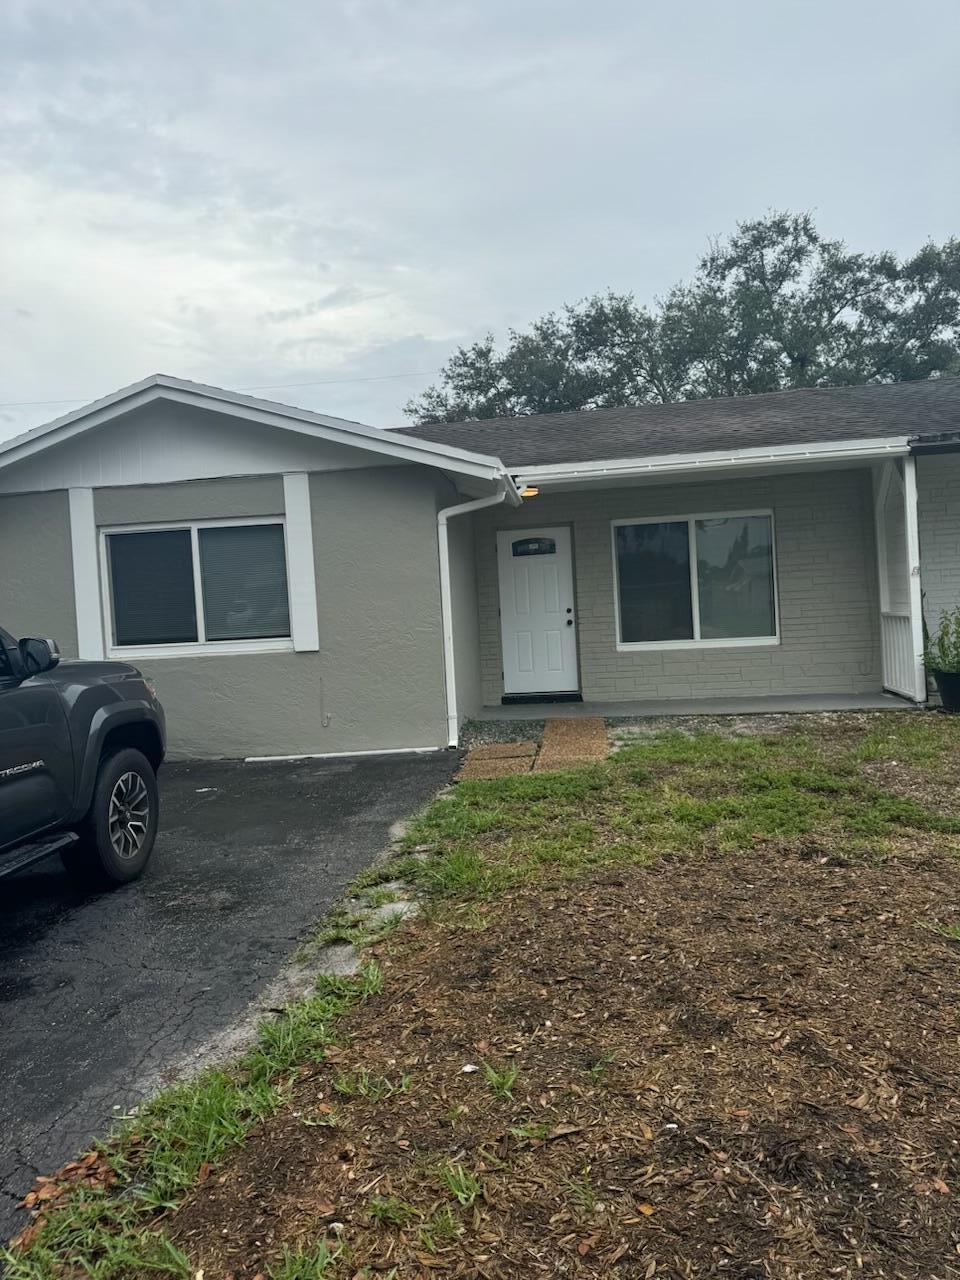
(197, 584)
(691, 580)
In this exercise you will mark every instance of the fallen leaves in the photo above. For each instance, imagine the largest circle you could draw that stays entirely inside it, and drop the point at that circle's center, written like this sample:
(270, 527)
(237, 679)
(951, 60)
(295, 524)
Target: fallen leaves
(92, 1171)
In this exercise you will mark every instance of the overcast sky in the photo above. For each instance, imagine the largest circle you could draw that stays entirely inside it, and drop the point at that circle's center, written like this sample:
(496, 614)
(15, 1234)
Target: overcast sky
(250, 193)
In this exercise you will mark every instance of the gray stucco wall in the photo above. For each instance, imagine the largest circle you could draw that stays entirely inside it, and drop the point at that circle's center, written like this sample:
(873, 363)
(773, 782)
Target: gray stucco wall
(938, 503)
(378, 585)
(827, 580)
(377, 681)
(36, 568)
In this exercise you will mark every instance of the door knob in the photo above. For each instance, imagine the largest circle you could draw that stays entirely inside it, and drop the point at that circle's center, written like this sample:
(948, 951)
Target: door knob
(569, 622)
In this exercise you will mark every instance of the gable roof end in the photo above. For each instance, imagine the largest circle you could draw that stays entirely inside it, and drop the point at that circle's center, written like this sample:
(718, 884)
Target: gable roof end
(442, 456)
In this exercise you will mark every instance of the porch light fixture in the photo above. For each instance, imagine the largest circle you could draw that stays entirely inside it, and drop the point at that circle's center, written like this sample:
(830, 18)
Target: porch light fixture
(529, 491)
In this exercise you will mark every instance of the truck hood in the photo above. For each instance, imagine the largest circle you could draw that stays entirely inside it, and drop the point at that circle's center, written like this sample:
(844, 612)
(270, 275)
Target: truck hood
(92, 672)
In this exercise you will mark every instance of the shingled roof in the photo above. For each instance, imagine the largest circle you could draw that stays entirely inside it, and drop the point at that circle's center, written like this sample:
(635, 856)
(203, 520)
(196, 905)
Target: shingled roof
(813, 415)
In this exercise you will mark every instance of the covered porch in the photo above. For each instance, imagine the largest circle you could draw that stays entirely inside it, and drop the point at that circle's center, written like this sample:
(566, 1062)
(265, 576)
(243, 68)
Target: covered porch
(748, 585)
(653, 708)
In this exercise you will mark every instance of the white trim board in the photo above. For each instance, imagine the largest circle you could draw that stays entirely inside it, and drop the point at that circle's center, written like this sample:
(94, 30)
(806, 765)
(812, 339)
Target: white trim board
(346, 755)
(301, 568)
(86, 574)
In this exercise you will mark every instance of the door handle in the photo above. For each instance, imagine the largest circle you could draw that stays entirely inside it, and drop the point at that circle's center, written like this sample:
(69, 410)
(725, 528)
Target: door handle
(569, 622)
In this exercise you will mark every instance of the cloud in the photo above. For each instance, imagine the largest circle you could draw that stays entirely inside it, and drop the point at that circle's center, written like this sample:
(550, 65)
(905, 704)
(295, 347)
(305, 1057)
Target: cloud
(243, 193)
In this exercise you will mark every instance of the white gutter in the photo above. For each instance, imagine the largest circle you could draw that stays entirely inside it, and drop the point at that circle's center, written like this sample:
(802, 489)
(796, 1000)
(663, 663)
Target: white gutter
(506, 491)
(715, 460)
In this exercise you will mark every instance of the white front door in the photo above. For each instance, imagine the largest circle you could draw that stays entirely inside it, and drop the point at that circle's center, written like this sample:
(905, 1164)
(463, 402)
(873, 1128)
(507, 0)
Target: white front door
(536, 611)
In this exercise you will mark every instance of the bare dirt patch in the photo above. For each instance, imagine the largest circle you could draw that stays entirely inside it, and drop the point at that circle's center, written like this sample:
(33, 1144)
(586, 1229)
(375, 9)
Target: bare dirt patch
(740, 1067)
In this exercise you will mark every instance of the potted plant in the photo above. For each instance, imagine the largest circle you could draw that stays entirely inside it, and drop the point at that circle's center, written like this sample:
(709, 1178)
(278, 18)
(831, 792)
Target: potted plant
(942, 658)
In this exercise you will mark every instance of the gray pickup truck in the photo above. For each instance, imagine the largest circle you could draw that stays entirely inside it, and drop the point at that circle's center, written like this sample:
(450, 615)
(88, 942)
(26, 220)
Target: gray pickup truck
(80, 746)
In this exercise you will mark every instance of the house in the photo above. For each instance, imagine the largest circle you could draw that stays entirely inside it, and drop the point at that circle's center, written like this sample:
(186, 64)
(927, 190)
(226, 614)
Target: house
(296, 584)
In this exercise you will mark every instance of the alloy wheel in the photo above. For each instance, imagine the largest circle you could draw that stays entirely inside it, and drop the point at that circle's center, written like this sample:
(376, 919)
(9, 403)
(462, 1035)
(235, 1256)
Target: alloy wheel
(128, 815)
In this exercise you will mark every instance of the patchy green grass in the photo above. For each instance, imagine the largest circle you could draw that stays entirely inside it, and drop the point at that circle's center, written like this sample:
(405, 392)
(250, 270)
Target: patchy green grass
(459, 1182)
(669, 794)
(361, 1084)
(599, 1068)
(501, 1079)
(390, 1211)
(316, 1263)
(582, 1195)
(530, 1132)
(440, 1228)
(920, 739)
(159, 1152)
(100, 1240)
(674, 793)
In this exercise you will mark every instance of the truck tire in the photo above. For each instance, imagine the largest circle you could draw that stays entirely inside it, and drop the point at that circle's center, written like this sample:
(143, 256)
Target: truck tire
(117, 835)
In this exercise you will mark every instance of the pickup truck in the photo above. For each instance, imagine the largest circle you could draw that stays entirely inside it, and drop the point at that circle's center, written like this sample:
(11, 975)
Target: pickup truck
(80, 747)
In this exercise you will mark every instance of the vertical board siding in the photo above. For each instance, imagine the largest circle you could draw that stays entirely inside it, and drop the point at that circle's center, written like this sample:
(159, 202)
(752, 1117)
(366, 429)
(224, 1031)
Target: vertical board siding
(899, 660)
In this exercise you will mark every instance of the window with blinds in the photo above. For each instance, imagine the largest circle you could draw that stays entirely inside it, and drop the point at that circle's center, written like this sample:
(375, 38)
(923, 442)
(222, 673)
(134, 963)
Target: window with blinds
(198, 584)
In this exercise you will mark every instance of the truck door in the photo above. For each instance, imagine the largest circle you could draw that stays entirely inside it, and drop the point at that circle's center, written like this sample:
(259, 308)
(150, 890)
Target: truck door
(36, 761)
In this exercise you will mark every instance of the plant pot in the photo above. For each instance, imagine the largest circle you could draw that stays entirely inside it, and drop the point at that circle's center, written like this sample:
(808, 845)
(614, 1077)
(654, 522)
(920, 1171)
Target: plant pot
(948, 686)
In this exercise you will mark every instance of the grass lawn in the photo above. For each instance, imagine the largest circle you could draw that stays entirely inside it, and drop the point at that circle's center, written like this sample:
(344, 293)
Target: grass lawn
(692, 1012)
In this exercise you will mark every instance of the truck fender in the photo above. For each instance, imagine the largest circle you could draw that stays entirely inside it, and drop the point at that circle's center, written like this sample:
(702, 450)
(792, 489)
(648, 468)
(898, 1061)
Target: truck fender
(105, 721)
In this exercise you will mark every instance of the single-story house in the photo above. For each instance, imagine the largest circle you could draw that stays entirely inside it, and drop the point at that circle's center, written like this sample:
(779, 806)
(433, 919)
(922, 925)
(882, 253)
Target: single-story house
(297, 584)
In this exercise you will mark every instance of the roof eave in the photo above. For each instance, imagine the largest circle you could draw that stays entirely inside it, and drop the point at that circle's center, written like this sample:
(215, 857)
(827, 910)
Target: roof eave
(722, 460)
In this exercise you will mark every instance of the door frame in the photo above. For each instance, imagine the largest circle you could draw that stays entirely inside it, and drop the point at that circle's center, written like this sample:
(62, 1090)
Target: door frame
(532, 530)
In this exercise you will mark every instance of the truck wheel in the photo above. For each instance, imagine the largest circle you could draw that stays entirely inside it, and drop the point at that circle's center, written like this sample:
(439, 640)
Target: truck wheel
(117, 835)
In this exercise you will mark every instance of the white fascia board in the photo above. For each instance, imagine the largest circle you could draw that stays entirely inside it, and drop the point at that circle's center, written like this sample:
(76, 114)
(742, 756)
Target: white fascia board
(264, 412)
(719, 460)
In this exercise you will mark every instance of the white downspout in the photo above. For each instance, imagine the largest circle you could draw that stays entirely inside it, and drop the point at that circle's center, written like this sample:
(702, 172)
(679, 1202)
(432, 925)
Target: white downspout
(505, 491)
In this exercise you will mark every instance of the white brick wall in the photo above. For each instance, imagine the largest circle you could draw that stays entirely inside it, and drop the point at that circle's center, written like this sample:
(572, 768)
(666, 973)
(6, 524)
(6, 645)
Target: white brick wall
(827, 579)
(938, 502)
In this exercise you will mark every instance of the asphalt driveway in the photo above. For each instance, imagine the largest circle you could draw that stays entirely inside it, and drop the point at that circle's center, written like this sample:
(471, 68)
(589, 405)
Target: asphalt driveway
(100, 993)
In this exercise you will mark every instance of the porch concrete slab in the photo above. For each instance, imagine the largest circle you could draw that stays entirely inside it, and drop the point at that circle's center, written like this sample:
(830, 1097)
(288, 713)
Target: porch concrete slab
(659, 707)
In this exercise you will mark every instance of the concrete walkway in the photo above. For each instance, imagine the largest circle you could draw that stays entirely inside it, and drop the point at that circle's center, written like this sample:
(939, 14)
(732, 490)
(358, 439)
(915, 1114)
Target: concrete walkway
(774, 704)
(567, 743)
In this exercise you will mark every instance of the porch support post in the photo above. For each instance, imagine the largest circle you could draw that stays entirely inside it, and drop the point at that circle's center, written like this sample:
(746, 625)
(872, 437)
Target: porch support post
(913, 570)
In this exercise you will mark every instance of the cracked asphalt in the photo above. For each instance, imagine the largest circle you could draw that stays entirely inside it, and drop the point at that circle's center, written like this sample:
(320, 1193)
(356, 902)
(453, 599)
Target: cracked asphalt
(102, 995)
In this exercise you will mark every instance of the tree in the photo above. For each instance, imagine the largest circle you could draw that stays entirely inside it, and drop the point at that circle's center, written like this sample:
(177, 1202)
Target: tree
(772, 307)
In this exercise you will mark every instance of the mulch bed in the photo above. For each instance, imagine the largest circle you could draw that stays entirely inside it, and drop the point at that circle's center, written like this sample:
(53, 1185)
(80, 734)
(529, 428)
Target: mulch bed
(743, 1067)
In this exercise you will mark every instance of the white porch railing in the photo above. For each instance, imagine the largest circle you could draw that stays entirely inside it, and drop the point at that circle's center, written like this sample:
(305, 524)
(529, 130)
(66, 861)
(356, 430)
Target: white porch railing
(899, 659)
(898, 565)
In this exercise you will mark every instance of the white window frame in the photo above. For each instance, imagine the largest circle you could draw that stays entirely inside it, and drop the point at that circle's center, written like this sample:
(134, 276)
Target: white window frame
(276, 644)
(696, 642)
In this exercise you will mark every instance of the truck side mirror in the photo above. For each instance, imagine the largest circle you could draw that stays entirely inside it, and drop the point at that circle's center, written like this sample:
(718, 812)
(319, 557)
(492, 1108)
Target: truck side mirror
(38, 656)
